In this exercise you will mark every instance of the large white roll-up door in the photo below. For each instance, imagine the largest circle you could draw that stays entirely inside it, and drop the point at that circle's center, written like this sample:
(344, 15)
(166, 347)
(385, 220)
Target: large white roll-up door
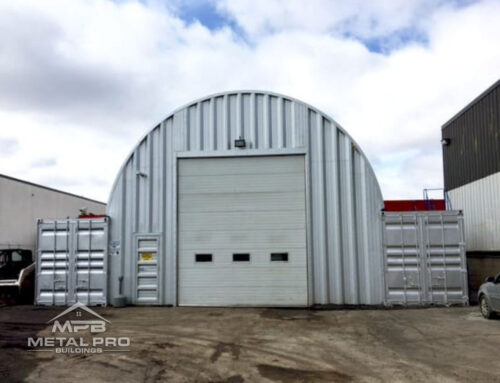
(242, 231)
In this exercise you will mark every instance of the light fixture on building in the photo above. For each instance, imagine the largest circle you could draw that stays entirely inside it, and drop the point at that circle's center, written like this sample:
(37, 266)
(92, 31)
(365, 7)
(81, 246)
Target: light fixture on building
(445, 141)
(240, 143)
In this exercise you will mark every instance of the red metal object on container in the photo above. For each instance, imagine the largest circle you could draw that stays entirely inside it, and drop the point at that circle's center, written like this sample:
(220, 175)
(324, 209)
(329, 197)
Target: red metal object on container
(415, 205)
(92, 216)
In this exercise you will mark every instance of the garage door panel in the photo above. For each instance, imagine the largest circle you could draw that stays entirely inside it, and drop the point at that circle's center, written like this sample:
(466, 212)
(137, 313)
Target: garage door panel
(238, 165)
(242, 183)
(291, 219)
(252, 206)
(245, 276)
(228, 202)
(243, 296)
(244, 238)
(258, 257)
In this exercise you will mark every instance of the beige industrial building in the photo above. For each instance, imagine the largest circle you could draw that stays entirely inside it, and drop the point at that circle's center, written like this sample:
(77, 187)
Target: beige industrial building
(23, 203)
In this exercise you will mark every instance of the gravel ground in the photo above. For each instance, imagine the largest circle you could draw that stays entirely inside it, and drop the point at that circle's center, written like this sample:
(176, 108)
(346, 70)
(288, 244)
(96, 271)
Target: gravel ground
(263, 345)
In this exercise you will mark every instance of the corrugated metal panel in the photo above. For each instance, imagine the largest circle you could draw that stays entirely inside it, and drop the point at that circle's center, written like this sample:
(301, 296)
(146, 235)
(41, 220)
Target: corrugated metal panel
(474, 149)
(71, 262)
(425, 258)
(480, 202)
(343, 197)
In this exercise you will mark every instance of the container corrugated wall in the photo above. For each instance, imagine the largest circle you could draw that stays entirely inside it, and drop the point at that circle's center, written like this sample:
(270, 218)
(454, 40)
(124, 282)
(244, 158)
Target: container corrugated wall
(425, 258)
(344, 231)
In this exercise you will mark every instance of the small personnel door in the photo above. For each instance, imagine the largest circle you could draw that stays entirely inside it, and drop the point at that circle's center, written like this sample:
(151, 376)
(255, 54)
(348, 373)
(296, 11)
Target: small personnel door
(242, 231)
(147, 255)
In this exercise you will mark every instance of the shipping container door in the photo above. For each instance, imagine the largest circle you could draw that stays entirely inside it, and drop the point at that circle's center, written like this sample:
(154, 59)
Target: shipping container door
(403, 259)
(89, 245)
(71, 262)
(242, 231)
(54, 279)
(425, 258)
(446, 270)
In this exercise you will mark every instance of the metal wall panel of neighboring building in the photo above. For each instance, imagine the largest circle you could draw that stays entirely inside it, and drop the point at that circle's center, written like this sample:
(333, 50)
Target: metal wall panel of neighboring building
(425, 258)
(23, 203)
(473, 151)
(343, 198)
(480, 202)
(71, 264)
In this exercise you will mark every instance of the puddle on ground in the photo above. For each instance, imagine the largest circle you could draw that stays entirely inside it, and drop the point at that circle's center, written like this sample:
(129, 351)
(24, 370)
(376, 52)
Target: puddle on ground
(476, 316)
(289, 314)
(285, 374)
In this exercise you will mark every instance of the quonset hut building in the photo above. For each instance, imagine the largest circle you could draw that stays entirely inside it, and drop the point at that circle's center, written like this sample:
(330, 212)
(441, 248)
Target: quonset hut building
(246, 198)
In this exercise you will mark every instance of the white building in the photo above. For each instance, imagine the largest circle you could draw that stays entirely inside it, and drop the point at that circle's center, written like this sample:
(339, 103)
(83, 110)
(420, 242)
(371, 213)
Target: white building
(23, 203)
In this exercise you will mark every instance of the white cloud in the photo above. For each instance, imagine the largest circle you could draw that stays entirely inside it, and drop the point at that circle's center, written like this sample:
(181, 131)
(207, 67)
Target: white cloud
(360, 18)
(81, 81)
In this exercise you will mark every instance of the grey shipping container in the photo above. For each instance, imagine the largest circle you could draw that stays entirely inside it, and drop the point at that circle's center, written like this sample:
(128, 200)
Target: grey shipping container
(425, 258)
(71, 262)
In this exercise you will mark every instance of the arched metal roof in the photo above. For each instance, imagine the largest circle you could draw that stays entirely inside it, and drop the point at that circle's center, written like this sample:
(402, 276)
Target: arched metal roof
(343, 196)
(236, 92)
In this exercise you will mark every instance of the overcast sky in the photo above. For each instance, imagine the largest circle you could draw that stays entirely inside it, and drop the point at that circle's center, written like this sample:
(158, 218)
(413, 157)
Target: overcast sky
(82, 81)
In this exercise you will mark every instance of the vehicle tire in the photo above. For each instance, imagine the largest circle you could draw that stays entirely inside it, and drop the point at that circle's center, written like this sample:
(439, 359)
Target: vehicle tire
(485, 307)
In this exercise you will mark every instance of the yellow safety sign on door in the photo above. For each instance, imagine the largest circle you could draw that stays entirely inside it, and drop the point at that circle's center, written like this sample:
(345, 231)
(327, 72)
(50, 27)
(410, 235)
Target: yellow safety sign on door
(147, 257)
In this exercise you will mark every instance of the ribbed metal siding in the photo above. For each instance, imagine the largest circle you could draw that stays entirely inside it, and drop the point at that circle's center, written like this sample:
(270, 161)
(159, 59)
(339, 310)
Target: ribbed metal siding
(480, 202)
(474, 150)
(343, 197)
